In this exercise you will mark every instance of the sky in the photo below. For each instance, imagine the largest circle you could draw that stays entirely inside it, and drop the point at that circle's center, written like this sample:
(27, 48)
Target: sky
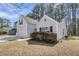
(8, 13)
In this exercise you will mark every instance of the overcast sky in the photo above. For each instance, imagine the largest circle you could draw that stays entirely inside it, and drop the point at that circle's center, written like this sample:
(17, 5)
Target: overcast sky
(8, 13)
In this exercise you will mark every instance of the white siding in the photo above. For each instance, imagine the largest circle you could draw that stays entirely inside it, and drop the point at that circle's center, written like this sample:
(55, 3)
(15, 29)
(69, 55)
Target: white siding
(25, 29)
(49, 22)
(22, 29)
(62, 31)
(30, 28)
(59, 28)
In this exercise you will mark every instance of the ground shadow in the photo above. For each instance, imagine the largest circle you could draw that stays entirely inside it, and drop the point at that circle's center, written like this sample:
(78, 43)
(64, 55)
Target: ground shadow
(35, 42)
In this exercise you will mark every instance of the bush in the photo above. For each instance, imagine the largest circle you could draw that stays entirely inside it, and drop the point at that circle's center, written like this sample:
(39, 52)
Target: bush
(3, 32)
(44, 36)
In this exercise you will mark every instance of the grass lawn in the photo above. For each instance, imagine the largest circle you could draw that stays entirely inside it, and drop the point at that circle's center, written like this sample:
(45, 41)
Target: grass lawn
(5, 35)
(23, 48)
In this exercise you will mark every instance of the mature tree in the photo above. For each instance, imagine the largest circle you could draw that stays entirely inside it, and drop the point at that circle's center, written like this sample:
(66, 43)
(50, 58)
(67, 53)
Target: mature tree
(73, 11)
(15, 24)
(38, 11)
(4, 24)
(34, 16)
(50, 9)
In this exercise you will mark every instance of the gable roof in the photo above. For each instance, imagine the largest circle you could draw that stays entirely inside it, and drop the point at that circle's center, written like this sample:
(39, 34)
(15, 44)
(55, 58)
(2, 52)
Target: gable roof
(33, 21)
(50, 18)
(29, 20)
(62, 20)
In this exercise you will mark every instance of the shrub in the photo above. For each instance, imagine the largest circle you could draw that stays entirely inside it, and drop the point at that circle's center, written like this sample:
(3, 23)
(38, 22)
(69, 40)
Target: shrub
(44, 36)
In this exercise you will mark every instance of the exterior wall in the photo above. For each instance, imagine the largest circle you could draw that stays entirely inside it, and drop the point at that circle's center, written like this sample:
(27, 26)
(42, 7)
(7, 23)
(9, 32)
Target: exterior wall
(59, 28)
(25, 29)
(30, 28)
(49, 22)
(21, 29)
(62, 31)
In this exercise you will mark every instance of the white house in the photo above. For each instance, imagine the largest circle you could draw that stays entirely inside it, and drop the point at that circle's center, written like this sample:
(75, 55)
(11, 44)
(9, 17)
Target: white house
(26, 26)
(47, 24)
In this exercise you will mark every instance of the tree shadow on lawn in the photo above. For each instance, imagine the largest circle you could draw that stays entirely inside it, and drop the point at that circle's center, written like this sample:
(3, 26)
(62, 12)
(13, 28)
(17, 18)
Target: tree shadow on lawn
(35, 42)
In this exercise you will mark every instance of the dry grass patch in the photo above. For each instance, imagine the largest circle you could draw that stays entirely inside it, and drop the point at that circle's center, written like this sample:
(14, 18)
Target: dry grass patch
(23, 48)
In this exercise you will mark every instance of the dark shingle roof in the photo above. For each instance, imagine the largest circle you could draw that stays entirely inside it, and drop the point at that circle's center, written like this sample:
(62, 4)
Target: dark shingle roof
(30, 20)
